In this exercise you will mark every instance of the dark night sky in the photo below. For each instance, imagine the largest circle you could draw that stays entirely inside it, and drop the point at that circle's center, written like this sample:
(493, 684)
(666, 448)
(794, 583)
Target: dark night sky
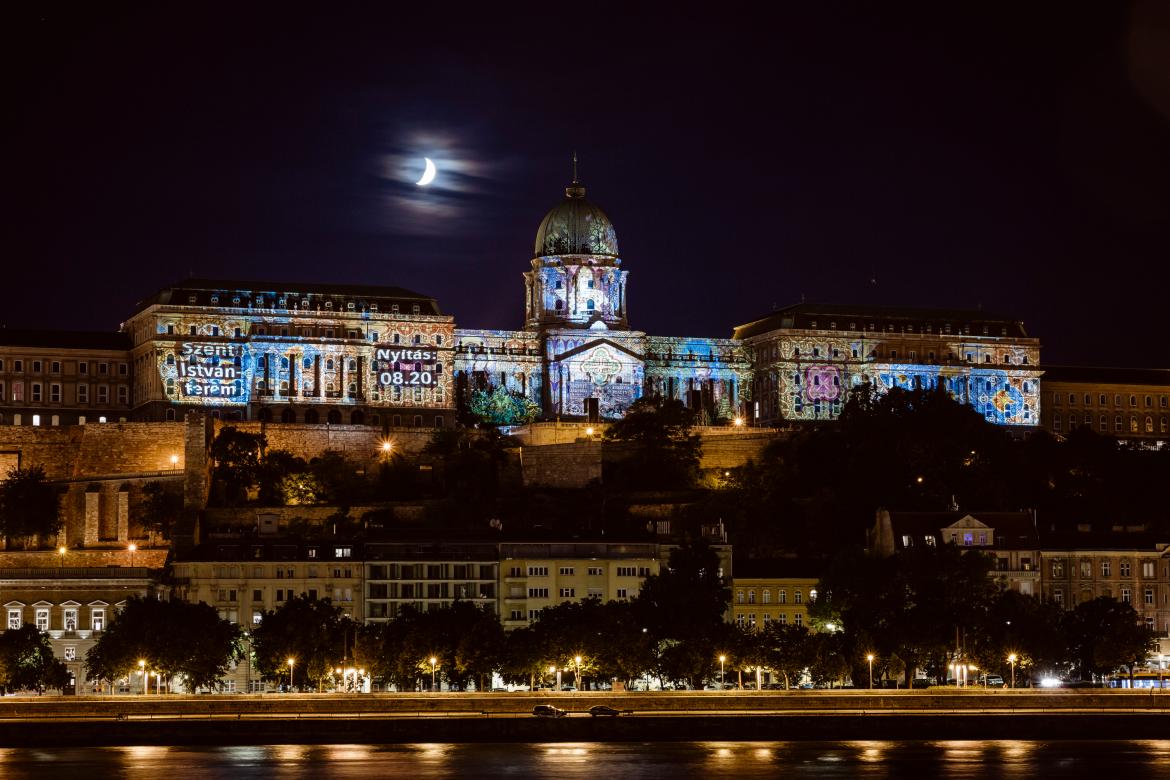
(1017, 159)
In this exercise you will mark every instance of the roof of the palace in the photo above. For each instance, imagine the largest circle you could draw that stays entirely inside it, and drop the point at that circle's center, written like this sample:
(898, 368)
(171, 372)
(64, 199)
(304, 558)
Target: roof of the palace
(266, 294)
(64, 339)
(1106, 375)
(575, 226)
(845, 317)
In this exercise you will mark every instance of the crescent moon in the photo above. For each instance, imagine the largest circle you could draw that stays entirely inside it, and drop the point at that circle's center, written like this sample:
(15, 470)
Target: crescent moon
(429, 174)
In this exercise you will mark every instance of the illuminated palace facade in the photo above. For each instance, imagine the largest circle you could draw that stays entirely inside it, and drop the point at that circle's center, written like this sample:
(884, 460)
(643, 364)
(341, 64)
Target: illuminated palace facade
(388, 357)
(306, 353)
(576, 356)
(807, 357)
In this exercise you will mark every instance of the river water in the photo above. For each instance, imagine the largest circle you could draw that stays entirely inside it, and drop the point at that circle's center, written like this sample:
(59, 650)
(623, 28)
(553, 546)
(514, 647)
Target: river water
(602, 761)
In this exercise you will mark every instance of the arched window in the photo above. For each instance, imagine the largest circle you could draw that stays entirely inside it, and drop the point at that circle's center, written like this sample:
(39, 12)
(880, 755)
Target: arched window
(311, 417)
(352, 390)
(559, 285)
(170, 359)
(1117, 424)
(265, 414)
(1103, 424)
(418, 421)
(1133, 424)
(353, 364)
(1163, 425)
(560, 305)
(1149, 425)
(329, 364)
(590, 305)
(288, 416)
(171, 387)
(170, 414)
(334, 417)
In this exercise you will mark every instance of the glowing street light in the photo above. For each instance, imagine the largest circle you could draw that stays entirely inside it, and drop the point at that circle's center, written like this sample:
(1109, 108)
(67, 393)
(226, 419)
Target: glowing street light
(387, 446)
(722, 661)
(577, 673)
(869, 657)
(1012, 661)
(291, 663)
(142, 671)
(433, 662)
(589, 431)
(174, 461)
(738, 422)
(61, 555)
(132, 549)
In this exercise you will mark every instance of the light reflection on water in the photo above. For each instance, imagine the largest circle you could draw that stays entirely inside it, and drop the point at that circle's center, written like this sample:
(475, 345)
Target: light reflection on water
(939, 759)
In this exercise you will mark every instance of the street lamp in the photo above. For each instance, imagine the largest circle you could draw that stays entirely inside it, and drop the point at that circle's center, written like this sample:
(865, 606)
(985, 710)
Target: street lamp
(132, 548)
(142, 671)
(61, 555)
(387, 446)
(722, 683)
(174, 461)
(869, 658)
(291, 663)
(738, 422)
(1012, 661)
(433, 662)
(577, 672)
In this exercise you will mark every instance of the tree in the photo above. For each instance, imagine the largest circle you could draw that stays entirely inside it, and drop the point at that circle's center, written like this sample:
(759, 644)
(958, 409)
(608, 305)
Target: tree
(161, 508)
(682, 608)
(1105, 635)
(175, 638)
(1023, 626)
(912, 605)
(280, 479)
(663, 453)
(499, 406)
(312, 632)
(30, 506)
(789, 650)
(236, 458)
(27, 661)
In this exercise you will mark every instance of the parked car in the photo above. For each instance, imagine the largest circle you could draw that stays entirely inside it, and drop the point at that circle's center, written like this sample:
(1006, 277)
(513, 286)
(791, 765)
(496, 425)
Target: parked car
(993, 681)
(548, 711)
(603, 711)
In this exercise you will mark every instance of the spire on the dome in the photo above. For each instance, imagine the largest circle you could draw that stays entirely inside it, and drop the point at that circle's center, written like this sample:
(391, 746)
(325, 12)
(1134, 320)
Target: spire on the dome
(575, 190)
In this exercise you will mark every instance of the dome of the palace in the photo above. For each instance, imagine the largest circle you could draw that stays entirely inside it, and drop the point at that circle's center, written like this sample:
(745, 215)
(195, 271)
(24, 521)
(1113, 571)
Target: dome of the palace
(575, 227)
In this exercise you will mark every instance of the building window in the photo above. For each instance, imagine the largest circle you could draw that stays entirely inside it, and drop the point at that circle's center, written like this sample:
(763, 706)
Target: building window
(97, 620)
(567, 571)
(796, 596)
(767, 596)
(1106, 569)
(1147, 570)
(1148, 596)
(798, 619)
(568, 593)
(1058, 596)
(1058, 568)
(538, 593)
(71, 619)
(42, 620)
(1123, 568)
(15, 619)
(537, 571)
(1126, 598)
(751, 597)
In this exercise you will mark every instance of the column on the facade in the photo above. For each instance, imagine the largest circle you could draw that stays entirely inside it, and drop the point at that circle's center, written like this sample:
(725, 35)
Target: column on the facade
(317, 375)
(93, 504)
(294, 373)
(123, 514)
(342, 383)
(361, 378)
